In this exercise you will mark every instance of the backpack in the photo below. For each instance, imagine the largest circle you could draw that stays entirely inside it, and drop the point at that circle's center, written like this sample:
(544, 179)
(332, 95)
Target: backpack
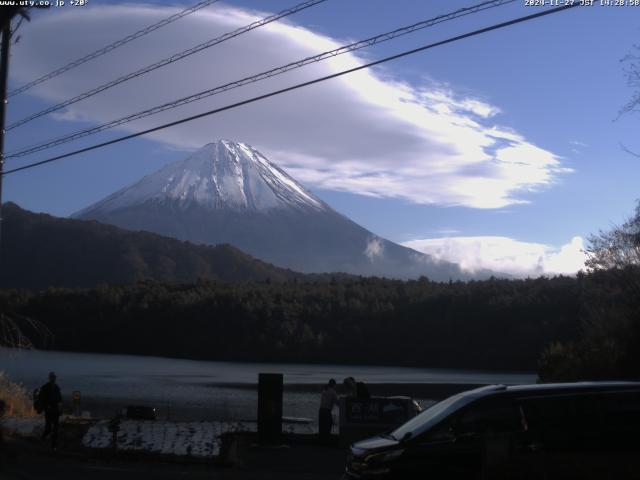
(37, 401)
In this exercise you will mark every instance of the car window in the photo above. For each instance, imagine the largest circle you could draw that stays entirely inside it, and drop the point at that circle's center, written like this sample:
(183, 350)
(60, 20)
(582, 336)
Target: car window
(489, 417)
(432, 416)
(622, 403)
(442, 432)
(621, 410)
(561, 412)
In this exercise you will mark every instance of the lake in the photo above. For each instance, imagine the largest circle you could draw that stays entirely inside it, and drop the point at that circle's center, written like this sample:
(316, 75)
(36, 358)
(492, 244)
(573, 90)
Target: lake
(189, 389)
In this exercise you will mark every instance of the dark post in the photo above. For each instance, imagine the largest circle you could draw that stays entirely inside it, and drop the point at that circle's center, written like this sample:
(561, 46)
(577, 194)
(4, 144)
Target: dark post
(4, 73)
(269, 407)
(114, 428)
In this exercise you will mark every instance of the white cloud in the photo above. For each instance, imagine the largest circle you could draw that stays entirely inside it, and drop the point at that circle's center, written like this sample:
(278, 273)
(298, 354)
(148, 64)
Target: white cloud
(374, 249)
(364, 133)
(504, 254)
(444, 100)
(577, 146)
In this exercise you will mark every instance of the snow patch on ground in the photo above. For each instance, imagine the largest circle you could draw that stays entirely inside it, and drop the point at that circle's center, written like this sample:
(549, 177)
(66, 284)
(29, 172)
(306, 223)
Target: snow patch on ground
(196, 439)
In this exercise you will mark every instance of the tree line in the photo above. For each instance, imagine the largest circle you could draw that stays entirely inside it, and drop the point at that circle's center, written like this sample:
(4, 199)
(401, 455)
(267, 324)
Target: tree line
(491, 324)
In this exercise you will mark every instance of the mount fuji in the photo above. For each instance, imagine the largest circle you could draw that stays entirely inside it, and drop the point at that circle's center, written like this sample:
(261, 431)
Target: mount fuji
(228, 192)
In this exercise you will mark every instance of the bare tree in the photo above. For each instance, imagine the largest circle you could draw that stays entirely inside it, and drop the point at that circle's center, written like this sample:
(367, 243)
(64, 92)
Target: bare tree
(617, 248)
(20, 332)
(631, 68)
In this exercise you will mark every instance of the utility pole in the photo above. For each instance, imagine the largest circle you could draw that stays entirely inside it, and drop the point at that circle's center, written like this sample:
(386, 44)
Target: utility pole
(4, 74)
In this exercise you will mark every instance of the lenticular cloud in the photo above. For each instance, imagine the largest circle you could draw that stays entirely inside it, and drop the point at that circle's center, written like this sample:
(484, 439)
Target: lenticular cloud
(366, 134)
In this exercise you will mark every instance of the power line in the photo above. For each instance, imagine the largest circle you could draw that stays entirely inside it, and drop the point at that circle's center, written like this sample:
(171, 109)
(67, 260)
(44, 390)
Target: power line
(169, 60)
(298, 86)
(258, 77)
(112, 46)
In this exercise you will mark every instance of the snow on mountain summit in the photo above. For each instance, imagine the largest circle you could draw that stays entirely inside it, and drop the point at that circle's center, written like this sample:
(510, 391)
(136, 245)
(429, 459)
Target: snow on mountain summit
(221, 175)
(228, 192)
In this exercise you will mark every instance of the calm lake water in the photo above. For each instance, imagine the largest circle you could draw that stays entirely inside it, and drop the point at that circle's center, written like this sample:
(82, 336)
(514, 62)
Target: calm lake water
(188, 389)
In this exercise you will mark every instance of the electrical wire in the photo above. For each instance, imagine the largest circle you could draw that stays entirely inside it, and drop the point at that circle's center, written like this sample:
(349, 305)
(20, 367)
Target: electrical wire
(258, 77)
(111, 46)
(297, 86)
(167, 61)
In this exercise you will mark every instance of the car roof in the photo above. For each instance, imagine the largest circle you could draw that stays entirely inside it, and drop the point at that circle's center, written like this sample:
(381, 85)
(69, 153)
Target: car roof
(551, 388)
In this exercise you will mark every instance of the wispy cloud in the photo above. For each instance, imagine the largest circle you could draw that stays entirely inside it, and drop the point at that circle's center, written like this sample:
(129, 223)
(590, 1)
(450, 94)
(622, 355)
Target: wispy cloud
(374, 248)
(578, 143)
(577, 146)
(366, 133)
(504, 254)
(447, 231)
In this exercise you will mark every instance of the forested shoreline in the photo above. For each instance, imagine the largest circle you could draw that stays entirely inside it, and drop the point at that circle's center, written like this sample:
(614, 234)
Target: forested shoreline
(566, 328)
(492, 324)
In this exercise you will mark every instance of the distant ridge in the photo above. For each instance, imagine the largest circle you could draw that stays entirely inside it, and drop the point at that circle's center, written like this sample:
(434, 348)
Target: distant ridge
(41, 251)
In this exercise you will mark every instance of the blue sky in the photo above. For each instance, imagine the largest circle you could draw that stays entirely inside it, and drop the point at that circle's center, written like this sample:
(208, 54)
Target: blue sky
(554, 84)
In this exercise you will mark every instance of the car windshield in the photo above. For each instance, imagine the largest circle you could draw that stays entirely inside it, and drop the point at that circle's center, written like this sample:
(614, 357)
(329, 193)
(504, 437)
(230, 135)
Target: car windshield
(430, 417)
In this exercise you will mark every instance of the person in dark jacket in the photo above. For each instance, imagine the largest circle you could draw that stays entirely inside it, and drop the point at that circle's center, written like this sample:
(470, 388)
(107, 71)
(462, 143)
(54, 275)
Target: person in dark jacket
(350, 387)
(328, 400)
(51, 400)
(355, 389)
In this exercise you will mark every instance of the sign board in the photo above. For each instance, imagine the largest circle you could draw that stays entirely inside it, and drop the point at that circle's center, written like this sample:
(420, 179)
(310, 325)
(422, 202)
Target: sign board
(270, 387)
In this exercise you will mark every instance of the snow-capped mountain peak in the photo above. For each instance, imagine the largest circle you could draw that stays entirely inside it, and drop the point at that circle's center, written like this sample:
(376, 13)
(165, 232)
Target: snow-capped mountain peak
(221, 175)
(228, 192)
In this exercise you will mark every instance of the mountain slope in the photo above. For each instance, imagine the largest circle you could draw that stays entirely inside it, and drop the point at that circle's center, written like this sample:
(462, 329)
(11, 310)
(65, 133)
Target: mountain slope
(40, 251)
(220, 176)
(228, 192)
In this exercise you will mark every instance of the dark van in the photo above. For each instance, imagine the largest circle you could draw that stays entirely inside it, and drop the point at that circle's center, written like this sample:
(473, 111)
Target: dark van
(547, 431)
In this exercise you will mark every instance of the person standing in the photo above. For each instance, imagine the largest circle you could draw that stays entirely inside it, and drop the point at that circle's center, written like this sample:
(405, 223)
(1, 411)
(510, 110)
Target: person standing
(50, 398)
(350, 387)
(328, 399)
(355, 389)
